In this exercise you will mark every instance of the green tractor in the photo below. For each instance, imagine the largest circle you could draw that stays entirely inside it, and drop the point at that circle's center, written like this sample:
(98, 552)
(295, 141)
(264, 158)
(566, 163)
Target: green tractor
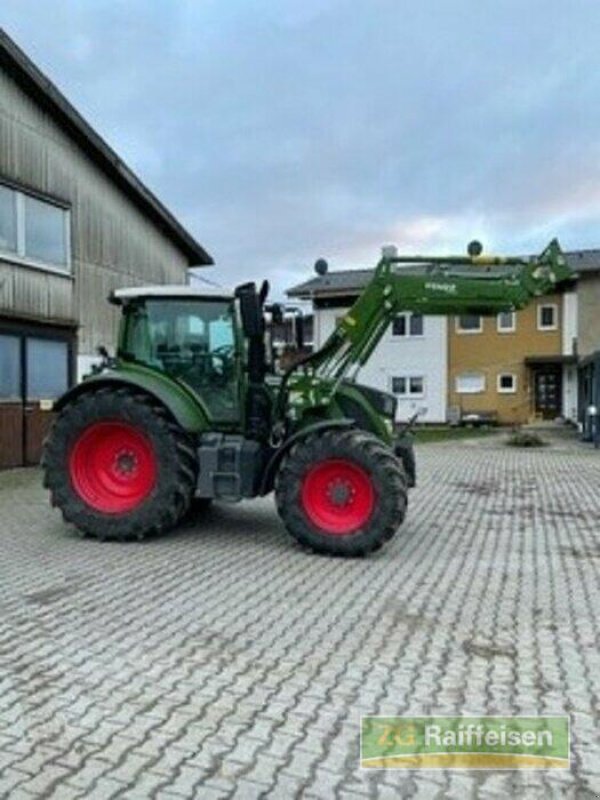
(193, 409)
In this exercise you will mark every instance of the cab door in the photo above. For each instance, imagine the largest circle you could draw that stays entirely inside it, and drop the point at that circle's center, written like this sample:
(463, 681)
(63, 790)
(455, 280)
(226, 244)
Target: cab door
(193, 340)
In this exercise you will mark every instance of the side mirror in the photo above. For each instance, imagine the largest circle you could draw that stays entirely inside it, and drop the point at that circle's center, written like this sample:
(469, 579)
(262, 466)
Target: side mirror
(276, 311)
(250, 310)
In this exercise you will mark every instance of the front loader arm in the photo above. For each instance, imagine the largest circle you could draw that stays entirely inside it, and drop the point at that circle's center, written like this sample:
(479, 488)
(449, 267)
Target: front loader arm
(439, 288)
(440, 285)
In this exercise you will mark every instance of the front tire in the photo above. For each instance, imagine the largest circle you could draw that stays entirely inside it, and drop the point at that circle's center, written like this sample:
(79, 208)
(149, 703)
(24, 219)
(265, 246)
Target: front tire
(342, 493)
(118, 466)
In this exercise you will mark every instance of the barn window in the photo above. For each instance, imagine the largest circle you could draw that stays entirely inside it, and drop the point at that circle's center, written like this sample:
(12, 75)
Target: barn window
(45, 232)
(10, 369)
(47, 368)
(8, 220)
(34, 230)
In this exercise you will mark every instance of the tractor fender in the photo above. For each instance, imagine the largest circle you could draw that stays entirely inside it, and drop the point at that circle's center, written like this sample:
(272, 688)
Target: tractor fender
(186, 411)
(271, 469)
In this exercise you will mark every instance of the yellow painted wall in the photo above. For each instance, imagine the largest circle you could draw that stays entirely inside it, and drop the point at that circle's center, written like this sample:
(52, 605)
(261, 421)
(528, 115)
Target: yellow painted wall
(493, 353)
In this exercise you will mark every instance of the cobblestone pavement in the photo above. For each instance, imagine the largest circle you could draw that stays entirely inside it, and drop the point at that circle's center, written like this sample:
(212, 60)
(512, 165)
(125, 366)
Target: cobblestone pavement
(221, 661)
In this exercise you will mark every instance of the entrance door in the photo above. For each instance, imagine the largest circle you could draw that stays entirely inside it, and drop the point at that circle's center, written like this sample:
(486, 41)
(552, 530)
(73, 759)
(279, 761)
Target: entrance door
(35, 370)
(548, 393)
(46, 379)
(11, 402)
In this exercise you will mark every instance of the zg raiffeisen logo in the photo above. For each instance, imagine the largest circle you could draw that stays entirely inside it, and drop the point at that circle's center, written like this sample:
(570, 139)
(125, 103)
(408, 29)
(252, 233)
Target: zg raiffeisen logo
(464, 743)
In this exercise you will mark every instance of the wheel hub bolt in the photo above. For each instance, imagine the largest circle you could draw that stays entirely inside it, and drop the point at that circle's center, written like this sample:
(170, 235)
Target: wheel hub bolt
(340, 492)
(126, 462)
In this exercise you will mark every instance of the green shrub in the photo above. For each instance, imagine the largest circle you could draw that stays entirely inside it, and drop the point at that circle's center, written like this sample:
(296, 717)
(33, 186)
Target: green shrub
(525, 439)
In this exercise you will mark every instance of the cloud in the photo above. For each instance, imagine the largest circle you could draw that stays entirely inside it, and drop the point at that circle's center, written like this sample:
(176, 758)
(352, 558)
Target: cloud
(280, 132)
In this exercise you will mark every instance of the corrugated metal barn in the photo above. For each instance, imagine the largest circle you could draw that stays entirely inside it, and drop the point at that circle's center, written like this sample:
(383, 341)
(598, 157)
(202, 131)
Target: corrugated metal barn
(75, 223)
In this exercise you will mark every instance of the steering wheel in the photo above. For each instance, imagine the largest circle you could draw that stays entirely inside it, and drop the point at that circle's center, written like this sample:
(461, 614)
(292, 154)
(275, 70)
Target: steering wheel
(224, 354)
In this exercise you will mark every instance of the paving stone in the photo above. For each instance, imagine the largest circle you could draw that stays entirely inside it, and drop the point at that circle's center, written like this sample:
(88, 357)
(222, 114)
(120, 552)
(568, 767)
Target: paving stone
(223, 657)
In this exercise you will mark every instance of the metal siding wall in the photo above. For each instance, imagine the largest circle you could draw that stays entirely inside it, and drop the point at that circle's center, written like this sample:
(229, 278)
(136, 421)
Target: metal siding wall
(112, 243)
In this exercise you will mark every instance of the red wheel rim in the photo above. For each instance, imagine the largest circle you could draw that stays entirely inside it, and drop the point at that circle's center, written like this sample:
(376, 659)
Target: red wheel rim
(338, 496)
(113, 467)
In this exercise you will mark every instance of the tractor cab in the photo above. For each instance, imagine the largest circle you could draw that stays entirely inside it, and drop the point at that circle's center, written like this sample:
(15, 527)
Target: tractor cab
(189, 334)
(219, 343)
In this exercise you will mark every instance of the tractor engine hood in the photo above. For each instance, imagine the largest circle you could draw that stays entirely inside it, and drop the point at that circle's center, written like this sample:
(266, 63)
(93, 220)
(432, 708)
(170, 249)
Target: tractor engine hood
(384, 403)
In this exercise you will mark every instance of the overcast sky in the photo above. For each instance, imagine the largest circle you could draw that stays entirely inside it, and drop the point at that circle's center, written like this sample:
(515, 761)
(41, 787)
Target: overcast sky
(282, 131)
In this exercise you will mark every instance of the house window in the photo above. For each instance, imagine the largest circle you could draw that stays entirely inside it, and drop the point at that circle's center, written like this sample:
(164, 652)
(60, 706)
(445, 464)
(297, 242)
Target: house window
(507, 383)
(408, 325)
(416, 326)
(470, 383)
(34, 231)
(548, 317)
(408, 386)
(507, 322)
(416, 386)
(399, 385)
(469, 323)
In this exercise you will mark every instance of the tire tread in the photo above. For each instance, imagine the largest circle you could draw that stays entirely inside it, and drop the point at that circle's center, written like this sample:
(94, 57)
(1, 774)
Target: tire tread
(177, 464)
(386, 471)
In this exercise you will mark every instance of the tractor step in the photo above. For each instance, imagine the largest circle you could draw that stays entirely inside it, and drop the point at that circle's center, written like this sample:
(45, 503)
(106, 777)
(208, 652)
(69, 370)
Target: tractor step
(230, 467)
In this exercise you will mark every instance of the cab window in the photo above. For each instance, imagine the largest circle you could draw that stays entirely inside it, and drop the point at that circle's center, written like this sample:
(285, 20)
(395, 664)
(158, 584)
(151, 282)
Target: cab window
(193, 341)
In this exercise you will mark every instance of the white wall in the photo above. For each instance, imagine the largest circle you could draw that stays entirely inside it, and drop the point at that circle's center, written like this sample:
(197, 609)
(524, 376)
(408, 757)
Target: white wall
(570, 392)
(569, 322)
(424, 356)
(569, 334)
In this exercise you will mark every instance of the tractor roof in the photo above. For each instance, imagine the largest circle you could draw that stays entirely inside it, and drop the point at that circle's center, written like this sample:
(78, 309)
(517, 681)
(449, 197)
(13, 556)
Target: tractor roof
(120, 296)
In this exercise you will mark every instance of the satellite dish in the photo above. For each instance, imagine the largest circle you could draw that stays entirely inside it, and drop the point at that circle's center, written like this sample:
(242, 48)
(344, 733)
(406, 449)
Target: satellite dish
(321, 266)
(475, 248)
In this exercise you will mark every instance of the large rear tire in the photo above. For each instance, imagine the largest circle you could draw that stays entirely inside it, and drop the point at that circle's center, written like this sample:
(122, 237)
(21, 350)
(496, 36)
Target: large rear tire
(118, 466)
(342, 493)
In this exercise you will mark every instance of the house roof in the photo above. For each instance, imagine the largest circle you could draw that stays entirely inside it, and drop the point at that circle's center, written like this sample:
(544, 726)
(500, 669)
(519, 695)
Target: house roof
(584, 260)
(353, 281)
(342, 281)
(45, 93)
